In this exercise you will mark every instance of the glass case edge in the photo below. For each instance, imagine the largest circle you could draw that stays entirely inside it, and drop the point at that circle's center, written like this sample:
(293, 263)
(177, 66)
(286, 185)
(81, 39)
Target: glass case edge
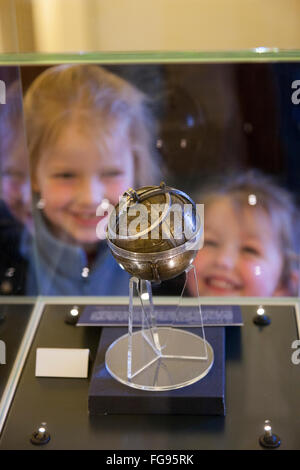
(260, 54)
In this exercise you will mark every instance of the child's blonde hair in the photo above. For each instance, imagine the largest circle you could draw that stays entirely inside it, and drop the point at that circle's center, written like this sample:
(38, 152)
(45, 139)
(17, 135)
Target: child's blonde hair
(255, 190)
(93, 95)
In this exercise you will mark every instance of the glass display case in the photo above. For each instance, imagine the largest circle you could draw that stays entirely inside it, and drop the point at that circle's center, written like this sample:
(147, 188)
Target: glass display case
(209, 119)
(78, 129)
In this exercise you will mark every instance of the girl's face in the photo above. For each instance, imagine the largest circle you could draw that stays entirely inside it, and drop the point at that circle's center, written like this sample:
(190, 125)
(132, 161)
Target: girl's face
(241, 255)
(76, 174)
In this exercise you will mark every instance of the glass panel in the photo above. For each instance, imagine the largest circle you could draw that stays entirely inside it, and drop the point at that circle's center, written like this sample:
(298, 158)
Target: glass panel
(16, 226)
(206, 122)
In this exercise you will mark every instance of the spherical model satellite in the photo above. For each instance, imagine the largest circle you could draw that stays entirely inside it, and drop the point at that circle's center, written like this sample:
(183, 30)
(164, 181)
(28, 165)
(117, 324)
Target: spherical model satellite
(154, 232)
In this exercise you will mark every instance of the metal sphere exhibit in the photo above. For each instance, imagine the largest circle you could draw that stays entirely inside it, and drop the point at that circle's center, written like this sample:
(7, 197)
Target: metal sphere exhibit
(154, 232)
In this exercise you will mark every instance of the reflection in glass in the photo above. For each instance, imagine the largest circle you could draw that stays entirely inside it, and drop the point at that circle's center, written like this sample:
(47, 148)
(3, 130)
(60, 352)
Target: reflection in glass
(249, 249)
(15, 203)
(213, 118)
(89, 136)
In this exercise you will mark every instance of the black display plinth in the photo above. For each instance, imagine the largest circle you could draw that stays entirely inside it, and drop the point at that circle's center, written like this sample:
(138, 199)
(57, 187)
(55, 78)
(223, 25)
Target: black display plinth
(205, 397)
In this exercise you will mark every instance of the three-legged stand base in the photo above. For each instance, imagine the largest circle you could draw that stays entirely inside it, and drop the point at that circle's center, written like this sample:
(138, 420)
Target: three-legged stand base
(176, 367)
(158, 358)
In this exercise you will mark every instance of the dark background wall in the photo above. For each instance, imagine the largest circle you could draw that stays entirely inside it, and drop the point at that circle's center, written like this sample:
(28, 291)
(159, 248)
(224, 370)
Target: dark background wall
(217, 117)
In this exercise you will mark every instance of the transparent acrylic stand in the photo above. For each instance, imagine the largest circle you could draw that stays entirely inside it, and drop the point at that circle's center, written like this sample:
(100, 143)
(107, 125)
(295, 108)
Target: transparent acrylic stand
(158, 357)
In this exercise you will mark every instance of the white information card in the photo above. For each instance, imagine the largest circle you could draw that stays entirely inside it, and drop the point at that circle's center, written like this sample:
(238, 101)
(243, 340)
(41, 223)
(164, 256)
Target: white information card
(60, 362)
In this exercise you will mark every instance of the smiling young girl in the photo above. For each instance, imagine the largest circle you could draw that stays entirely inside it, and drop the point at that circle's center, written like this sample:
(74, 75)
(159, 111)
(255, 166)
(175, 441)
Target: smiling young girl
(90, 137)
(250, 240)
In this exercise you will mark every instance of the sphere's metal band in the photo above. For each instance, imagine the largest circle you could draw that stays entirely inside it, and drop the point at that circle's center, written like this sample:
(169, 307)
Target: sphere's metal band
(159, 220)
(162, 255)
(138, 198)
